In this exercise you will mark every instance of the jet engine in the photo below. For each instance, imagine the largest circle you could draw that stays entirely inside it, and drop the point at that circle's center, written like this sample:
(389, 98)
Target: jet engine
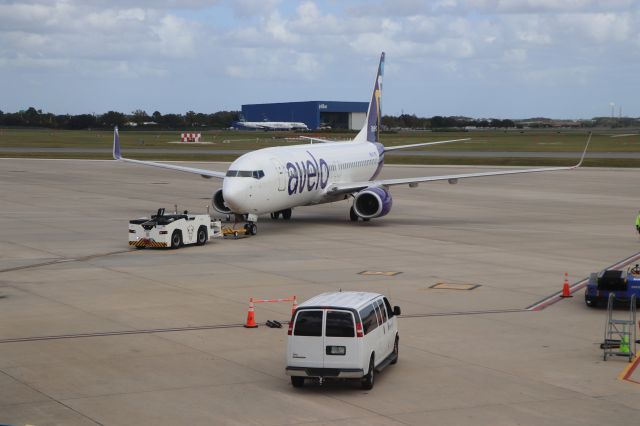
(372, 202)
(217, 201)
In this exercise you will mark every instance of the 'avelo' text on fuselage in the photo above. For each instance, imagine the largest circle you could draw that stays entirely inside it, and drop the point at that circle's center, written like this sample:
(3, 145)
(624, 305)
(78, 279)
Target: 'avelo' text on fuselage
(307, 175)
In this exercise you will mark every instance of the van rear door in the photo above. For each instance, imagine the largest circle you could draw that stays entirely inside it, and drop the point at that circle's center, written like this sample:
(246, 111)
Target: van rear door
(341, 348)
(306, 343)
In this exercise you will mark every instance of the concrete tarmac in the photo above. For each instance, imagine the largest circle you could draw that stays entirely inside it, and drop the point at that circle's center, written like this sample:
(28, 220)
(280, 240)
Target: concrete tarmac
(66, 270)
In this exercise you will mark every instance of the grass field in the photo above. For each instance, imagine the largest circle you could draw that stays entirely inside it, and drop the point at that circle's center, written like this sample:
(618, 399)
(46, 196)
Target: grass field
(485, 141)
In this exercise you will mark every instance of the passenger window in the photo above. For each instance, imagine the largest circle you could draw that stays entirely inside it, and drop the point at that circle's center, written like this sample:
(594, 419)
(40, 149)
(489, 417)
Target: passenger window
(383, 311)
(340, 324)
(308, 323)
(378, 314)
(369, 320)
(388, 305)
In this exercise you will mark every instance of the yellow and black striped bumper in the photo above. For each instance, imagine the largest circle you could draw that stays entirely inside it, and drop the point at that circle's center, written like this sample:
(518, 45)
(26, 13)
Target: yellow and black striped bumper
(147, 243)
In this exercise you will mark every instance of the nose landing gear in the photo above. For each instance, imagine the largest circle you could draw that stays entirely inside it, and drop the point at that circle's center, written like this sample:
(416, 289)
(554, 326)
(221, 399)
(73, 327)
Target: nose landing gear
(250, 228)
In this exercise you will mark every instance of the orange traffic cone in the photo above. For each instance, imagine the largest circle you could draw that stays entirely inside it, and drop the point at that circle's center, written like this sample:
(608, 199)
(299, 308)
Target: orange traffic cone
(566, 291)
(251, 316)
(294, 306)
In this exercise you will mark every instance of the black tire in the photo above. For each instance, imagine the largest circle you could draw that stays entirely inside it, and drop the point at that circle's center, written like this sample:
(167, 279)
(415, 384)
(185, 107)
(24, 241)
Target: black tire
(352, 215)
(368, 381)
(275, 215)
(396, 350)
(253, 229)
(176, 239)
(297, 381)
(202, 237)
(286, 214)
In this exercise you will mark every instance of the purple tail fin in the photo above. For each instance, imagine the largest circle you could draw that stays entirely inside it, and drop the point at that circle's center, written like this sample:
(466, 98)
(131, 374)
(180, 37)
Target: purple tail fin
(370, 132)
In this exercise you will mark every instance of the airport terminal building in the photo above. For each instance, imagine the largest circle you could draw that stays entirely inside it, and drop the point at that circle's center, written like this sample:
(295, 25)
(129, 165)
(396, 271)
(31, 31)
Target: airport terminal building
(315, 114)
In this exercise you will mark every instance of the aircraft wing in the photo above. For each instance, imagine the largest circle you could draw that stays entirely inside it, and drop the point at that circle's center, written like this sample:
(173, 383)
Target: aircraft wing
(350, 187)
(312, 139)
(208, 174)
(415, 145)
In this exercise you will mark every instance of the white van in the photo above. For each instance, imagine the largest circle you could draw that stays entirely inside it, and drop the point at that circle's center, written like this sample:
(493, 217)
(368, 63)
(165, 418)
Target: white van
(344, 335)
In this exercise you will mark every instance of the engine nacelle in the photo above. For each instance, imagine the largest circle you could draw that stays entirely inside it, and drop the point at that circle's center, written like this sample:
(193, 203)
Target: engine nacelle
(217, 201)
(372, 202)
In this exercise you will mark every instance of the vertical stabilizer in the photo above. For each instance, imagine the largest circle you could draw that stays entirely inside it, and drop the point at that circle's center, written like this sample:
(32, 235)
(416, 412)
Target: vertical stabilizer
(371, 130)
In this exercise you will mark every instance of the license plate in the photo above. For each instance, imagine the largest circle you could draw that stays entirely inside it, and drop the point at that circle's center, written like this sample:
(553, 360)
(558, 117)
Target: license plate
(336, 350)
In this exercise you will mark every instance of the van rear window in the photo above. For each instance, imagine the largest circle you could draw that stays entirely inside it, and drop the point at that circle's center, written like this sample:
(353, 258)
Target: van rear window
(340, 324)
(308, 323)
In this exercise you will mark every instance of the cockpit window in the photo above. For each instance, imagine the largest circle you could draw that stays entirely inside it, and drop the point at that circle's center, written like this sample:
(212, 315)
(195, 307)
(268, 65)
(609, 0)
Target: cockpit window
(256, 174)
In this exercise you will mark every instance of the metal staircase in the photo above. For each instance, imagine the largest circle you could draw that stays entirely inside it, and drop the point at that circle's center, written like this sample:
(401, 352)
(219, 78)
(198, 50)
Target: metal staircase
(620, 334)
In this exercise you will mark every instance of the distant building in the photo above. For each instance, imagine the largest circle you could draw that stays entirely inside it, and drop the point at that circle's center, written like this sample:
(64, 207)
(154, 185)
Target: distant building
(315, 114)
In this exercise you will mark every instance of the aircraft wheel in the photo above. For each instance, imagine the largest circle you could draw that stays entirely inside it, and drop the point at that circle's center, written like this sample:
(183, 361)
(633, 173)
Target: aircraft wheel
(286, 214)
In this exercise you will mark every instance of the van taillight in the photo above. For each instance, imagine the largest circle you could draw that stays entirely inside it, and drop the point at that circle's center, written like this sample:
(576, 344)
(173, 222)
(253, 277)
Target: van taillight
(359, 332)
(290, 332)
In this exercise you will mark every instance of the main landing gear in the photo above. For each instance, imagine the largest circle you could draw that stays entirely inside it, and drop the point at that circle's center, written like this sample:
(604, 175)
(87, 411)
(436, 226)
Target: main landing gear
(353, 216)
(286, 214)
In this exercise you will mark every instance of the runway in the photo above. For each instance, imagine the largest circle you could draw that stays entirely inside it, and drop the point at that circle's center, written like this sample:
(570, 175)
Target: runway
(93, 333)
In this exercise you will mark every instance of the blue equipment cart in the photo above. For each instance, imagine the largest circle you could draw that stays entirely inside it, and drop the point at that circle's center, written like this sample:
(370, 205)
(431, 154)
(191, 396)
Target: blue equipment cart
(623, 284)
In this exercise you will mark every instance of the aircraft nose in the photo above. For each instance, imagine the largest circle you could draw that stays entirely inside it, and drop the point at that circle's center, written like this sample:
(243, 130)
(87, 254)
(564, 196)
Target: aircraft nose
(235, 195)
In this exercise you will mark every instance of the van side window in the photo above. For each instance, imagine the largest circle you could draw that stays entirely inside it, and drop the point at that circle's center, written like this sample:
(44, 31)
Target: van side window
(308, 323)
(369, 321)
(340, 324)
(388, 305)
(383, 311)
(378, 314)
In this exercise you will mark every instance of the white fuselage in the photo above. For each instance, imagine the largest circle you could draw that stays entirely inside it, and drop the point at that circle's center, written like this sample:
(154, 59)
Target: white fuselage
(272, 125)
(279, 178)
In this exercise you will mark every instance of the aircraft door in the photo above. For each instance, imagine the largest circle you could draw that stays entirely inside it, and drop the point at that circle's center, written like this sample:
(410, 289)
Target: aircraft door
(281, 175)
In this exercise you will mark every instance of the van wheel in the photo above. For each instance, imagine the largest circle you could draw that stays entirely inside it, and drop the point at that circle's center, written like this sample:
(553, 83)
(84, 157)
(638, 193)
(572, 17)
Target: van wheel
(202, 236)
(176, 239)
(297, 381)
(368, 381)
(395, 351)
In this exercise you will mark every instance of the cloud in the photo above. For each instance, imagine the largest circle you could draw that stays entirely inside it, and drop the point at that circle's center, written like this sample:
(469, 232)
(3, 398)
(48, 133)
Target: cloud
(290, 44)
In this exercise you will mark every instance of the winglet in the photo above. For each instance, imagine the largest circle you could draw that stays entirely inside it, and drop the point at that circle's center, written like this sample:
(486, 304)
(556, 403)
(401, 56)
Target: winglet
(584, 153)
(116, 144)
(371, 130)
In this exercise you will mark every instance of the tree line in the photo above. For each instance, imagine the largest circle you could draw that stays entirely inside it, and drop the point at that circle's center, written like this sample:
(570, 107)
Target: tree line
(33, 117)
(410, 121)
(191, 120)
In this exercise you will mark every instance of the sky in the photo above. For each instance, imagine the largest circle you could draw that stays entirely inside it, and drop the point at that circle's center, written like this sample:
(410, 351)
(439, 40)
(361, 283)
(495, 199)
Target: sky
(477, 58)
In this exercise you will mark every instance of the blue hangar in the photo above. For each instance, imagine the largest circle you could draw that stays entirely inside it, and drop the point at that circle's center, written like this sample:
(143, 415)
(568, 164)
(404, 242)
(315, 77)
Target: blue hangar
(315, 114)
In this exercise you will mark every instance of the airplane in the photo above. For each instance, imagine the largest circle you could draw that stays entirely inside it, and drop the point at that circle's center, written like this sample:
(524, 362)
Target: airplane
(277, 179)
(270, 125)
